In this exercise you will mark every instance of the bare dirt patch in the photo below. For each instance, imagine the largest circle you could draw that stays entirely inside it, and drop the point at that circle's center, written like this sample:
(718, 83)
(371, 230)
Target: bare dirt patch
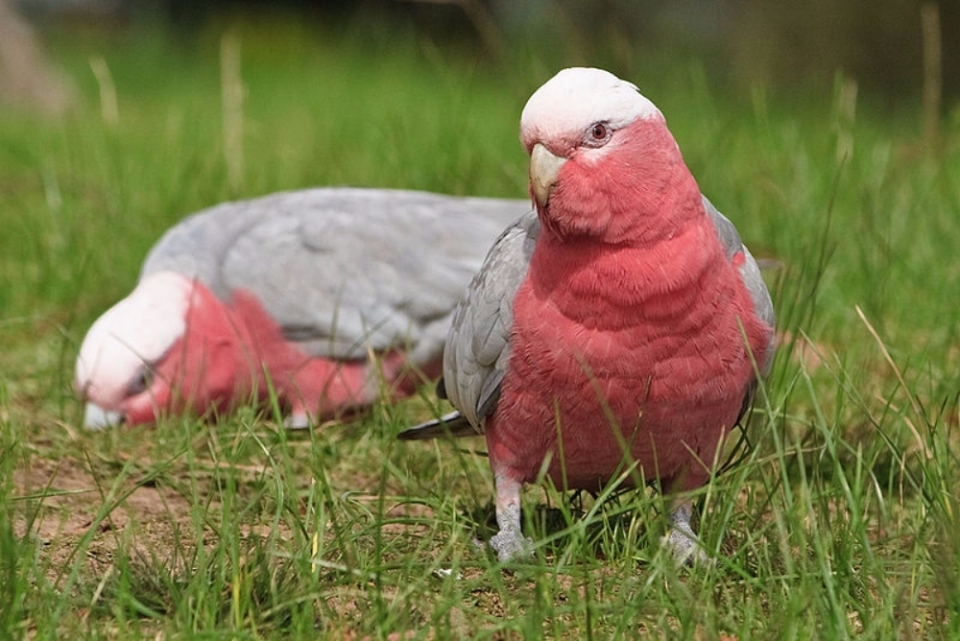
(62, 501)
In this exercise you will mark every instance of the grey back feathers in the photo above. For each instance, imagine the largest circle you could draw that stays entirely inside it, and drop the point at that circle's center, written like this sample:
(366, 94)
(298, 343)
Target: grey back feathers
(343, 270)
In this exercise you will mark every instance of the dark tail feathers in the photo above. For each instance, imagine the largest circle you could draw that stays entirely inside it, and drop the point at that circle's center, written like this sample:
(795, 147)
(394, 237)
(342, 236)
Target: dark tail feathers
(452, 424)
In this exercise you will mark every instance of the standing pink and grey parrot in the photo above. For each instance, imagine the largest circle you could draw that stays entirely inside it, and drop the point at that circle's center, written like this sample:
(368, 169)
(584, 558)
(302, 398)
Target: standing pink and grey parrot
(621, 323)
(301, 288)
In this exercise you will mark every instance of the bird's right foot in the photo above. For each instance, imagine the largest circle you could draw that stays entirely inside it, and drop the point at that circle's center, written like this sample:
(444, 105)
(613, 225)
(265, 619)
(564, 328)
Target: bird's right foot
(511, 545)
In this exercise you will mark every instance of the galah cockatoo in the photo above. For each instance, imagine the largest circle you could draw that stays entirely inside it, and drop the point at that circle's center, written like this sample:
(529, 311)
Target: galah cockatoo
(323, 294)
(623, 323)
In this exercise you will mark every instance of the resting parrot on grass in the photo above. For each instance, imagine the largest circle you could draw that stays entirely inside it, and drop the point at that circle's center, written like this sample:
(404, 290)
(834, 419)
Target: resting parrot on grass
(622, 323)
(328, 293)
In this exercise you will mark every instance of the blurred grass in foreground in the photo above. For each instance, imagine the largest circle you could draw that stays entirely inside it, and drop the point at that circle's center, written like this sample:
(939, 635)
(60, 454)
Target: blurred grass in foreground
(840, 522)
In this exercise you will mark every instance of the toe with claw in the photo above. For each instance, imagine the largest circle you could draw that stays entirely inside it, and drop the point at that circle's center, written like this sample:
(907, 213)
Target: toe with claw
(682, 541)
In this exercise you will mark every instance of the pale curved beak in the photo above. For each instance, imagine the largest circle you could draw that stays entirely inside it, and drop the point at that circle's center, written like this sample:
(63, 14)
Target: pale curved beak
(96, 418)
(544, 171)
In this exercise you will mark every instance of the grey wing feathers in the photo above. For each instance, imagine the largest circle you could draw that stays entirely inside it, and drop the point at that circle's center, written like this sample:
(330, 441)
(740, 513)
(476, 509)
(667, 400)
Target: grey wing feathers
(478, 346)
(343, 270)
(749, 272)
(196, 245)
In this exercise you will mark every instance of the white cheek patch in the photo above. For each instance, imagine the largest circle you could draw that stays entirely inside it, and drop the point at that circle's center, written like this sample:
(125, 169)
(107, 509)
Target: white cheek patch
(137, 330)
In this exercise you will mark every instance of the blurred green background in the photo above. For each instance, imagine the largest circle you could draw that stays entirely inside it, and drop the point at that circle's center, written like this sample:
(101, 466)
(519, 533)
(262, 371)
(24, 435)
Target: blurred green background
(783, 46)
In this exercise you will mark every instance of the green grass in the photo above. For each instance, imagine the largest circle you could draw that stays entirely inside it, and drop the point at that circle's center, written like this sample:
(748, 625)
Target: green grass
(841, 521)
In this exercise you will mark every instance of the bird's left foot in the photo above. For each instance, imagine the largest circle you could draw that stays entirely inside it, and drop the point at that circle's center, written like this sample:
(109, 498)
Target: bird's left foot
(681, 541)
(686, 550)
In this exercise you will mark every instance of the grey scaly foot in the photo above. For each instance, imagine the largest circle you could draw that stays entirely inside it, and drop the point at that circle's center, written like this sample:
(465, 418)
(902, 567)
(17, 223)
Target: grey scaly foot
(681, 540)
(509, 543)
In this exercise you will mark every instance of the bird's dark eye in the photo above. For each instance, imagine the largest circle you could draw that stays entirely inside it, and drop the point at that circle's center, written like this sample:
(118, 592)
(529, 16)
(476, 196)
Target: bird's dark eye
(597, 135)
(141, 383)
